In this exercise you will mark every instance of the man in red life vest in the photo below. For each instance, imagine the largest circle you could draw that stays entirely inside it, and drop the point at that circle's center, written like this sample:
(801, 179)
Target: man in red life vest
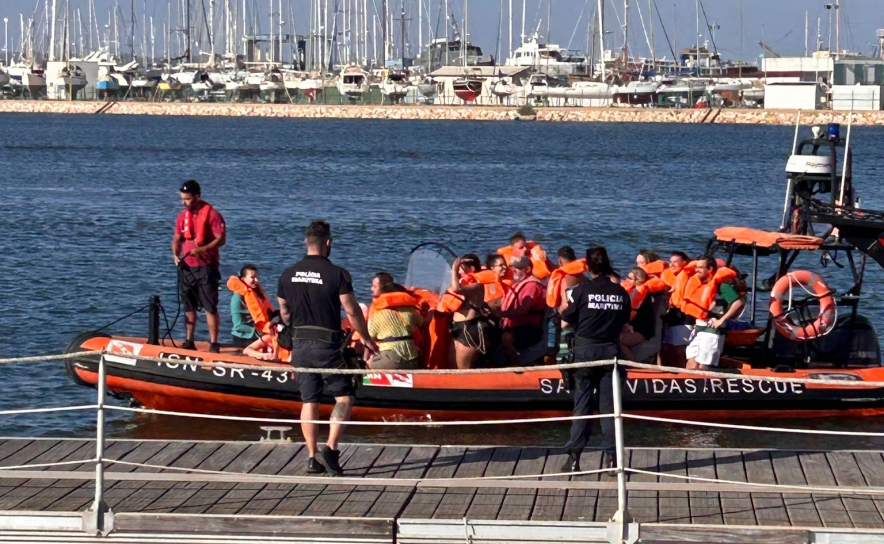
(199, 232)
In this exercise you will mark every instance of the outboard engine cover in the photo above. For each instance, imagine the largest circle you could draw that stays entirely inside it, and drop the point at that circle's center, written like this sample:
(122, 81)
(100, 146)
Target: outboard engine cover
(837, 347)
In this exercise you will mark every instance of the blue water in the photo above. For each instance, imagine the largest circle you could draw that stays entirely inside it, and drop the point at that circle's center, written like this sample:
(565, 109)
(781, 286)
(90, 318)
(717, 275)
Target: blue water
(89, 202)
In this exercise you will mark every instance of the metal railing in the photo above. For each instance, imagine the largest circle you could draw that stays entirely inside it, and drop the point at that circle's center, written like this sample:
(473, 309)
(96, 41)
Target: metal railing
(98, 519)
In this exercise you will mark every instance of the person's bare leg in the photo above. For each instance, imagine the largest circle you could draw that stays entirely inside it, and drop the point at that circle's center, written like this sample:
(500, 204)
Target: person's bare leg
(189, 325)
(692, 364)
(464, 356)
(213, 320)
(309, 411)
(341, 412)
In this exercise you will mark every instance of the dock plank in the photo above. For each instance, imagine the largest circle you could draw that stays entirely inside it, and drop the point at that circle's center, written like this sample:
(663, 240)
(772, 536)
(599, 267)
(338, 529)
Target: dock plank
(644, 505)
(861, 509)
(299, 498)
(206, 494)
(150, 496)
(25, 488)
(818, 472)
(736, 508)
(235, 495)
(769, 507)
(334, 496)
(363, 498)
(584, 504)
(800, 507)
(705, 505)
(488, 502)
(393, 500)
(456, 501)
(549, 504)
(518, 503)
(674, 506)
(426, 500)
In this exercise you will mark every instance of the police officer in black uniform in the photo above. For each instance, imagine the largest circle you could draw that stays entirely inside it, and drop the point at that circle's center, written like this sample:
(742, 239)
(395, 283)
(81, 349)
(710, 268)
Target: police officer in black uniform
(597, 310)
(311, 294)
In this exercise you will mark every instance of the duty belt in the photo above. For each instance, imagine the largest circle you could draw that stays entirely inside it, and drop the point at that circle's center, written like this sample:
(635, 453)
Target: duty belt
(580, 341)
(317, 333)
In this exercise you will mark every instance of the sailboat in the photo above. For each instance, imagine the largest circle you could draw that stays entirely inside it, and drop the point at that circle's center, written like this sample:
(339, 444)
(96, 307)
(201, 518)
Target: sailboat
(468, 87)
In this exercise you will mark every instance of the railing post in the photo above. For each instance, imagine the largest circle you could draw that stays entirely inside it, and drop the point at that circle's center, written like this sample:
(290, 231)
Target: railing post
(621, 529)
(99, 519)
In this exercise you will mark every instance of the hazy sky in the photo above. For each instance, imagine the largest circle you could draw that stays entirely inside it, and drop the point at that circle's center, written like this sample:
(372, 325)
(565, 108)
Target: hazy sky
(783, 21)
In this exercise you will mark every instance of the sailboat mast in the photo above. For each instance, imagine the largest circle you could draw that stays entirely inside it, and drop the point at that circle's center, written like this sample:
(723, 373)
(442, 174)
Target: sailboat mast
(53, 16)
(509, 50)
(600, 9)
(523, 21)
(625, 31)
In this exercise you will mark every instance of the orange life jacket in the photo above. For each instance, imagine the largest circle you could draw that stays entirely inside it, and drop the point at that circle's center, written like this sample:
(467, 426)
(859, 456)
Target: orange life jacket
(655, 268)
(557, 276)
(495, 288)
(256, 301)
(195, 225)
(668, 278)
(540, 265)
(676, 296)
(638, 294)
(699, 297)
(386, 301)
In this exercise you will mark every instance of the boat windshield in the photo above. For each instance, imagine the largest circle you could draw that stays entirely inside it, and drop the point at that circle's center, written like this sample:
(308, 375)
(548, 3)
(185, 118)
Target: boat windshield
(430, 268)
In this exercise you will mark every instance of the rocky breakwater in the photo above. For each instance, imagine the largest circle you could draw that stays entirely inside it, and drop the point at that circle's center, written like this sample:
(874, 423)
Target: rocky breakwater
(454, 113)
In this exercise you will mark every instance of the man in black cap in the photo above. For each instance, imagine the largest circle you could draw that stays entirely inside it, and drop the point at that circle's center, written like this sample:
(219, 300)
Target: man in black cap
(598, 311)
(311, 294)
(199, 232)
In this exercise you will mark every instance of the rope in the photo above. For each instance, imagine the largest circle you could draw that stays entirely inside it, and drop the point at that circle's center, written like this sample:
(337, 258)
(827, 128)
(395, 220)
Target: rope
(368, 481)
(750, 427)
(427, 423)
(809, 489)
(453, 371)
(146, 306)
(46, 410)
(60, 357)
(363, 371)
(43, 465)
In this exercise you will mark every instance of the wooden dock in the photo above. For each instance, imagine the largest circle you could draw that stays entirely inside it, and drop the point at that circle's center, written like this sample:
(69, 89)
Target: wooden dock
(268, 498)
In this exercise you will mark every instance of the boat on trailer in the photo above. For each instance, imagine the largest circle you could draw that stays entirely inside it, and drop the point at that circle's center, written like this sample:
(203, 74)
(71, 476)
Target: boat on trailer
(821, 222)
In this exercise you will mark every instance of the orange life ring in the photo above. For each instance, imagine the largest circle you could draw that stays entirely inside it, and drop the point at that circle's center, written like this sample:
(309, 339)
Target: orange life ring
(813, 284)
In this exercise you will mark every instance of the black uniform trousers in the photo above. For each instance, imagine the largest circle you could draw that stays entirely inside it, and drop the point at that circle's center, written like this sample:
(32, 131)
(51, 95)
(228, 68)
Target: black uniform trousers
(592, 389)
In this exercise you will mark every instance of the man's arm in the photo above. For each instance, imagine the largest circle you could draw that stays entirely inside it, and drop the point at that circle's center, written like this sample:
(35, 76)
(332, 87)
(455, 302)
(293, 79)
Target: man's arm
(357, 320)
(176, 246)
(217, 242)
(285, 314)
(732, 312)
(572, 309)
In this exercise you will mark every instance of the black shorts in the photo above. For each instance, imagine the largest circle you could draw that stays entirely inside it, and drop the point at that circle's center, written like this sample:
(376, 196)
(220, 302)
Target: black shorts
(525, 336)
(472, 333)
(318, 354)
(199, 287)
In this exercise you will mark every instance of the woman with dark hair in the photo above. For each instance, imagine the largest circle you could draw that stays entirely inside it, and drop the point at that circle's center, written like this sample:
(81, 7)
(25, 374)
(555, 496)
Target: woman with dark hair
(250, 308)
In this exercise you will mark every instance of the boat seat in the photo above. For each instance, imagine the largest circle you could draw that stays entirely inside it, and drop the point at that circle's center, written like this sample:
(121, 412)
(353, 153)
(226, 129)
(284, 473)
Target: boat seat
(651, 347)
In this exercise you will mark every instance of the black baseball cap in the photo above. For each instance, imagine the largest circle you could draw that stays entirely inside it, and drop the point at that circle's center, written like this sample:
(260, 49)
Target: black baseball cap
(190, 187)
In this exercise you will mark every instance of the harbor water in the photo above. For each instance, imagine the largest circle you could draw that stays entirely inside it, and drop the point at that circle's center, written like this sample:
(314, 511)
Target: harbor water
(88, 204)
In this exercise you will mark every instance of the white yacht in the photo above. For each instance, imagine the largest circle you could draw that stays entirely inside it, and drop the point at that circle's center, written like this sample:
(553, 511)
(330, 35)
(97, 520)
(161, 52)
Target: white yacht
(353, 82)
(547, 58)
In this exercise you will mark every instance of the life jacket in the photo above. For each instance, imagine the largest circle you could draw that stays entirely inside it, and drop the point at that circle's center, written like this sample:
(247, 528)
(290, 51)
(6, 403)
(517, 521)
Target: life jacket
(638, 293)
(668, 277)
(557, 276)
(540, 266)
(196, 226)
(676, 296)
(256, 300)
(512, 296)
(386, 301)
(699, 297)
(495, 288)
(655, 268)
